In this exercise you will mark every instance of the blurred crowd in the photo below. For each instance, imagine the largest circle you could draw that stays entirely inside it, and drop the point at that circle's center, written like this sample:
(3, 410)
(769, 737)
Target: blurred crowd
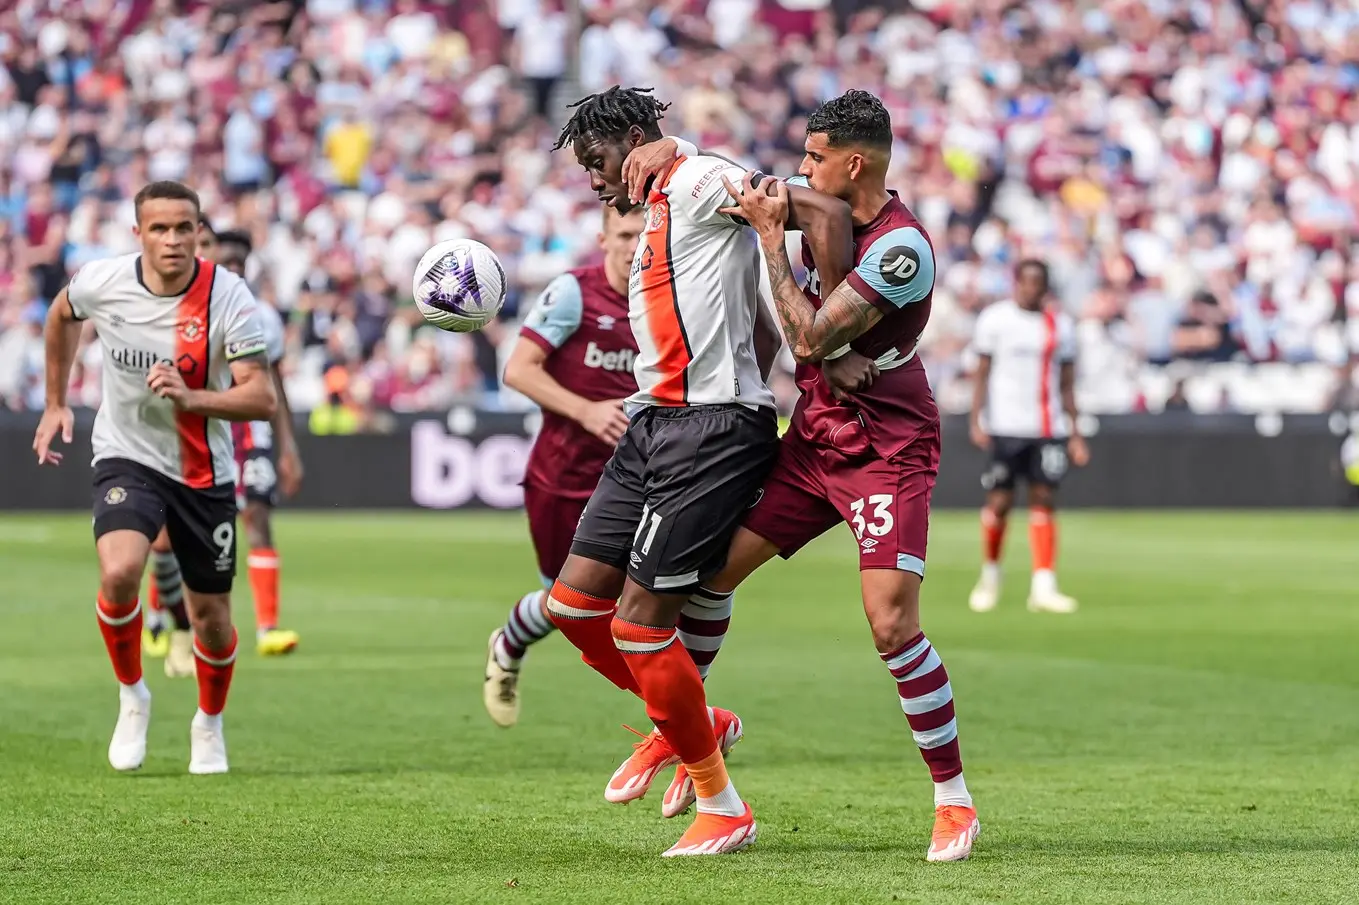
(1190, 168)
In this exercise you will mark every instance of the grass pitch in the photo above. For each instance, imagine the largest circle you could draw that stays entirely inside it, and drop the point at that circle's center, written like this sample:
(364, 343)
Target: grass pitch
(1192, 735)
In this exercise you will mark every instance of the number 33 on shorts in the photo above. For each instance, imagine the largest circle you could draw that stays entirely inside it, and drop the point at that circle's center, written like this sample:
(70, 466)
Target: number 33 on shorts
(881, 515)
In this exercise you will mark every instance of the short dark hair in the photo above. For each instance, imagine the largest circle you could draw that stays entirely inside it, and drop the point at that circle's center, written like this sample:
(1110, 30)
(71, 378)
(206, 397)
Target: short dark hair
(854, 118)
(167, 190)
(236, 237)
(1041, 266)
(610, 114)
(205, 224)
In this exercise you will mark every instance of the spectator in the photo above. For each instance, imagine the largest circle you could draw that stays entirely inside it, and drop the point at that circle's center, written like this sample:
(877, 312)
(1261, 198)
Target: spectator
(1159, 155)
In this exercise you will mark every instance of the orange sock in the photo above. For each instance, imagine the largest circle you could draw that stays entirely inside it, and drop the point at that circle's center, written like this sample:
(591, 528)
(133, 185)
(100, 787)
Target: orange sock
(993, 534)
(153, 597)
(709, 775)
(1043, 538)
(263, 565)
(671, 687)
(121, 626)
(214, 675)
(584, 620)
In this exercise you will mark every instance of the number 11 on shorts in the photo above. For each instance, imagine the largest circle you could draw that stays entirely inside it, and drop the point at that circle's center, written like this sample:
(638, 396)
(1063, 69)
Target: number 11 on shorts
(655, 524)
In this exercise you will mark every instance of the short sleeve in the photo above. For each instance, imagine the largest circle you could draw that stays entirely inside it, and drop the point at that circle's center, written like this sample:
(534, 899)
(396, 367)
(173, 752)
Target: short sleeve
(984, 338)
(555, 315)
(81, 292)
(696, 189)
(799, 181)
(1066, 340)
(897, 270)
(244, 335)
(274, 333)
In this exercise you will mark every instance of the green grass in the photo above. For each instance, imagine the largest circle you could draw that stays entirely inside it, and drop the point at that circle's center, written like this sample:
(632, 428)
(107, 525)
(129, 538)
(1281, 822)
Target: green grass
(1190, 736)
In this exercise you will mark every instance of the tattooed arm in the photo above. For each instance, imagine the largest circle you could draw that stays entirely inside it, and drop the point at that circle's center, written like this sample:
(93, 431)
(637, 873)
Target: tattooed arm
(813, 334)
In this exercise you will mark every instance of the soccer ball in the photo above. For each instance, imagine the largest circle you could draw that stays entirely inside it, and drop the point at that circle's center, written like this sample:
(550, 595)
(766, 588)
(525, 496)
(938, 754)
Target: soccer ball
(459, 285)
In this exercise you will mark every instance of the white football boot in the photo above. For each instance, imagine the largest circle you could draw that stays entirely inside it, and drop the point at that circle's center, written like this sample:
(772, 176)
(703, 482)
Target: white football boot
(986, 594)
(1044, 596)
(207, 745)
(127, 750)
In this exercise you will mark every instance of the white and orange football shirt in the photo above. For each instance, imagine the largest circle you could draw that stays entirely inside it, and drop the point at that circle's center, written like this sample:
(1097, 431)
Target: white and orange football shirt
(1027, 351)
(692, 294)
(201, 331)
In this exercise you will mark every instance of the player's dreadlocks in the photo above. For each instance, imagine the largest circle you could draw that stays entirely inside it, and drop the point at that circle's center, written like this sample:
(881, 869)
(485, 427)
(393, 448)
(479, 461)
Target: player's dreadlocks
(611, 113)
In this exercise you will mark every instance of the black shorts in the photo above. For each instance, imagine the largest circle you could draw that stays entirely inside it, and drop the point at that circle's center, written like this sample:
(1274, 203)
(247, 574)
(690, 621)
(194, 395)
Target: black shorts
(201, 523)
(675, 491)
(256, 469)
(1040, 461)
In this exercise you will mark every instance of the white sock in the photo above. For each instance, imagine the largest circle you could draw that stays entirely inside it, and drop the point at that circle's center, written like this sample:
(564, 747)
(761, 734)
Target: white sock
(208, 721)
(727, 803)
(991, 573)
(952, 791)
(1044, 582)
(503, 658)
(137, 691)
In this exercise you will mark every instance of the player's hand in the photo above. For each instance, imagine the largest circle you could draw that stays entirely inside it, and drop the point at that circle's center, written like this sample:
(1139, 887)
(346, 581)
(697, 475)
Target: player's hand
(605, 420)
(1077, 451)
(765, 211)
(289, 472)
(167, 383)
(54, 421)
(978, 436)
(644, 162)
(849, 373)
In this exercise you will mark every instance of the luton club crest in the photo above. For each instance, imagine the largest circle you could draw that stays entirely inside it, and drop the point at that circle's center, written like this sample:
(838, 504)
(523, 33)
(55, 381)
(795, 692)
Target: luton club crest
(191, 328)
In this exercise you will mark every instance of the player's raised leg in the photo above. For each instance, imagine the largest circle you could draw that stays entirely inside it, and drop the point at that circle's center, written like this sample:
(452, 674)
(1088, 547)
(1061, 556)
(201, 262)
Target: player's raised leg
(1043, 593)
(527, 624)
(995, 516)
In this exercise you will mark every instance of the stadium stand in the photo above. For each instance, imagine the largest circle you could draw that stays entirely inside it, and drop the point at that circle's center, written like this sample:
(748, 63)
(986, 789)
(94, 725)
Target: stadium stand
(1191, 170)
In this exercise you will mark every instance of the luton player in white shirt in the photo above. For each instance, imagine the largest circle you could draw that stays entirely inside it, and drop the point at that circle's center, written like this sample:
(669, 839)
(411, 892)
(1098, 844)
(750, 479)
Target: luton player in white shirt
(184, 353)
(701, 437)
(1024, 413)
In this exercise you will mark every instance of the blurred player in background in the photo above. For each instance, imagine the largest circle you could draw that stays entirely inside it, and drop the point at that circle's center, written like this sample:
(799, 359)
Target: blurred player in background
(1024, 413)
(863, 445)
(257, 490)
(267, 463)
(575, 360)
(184, 352)
(702, 437)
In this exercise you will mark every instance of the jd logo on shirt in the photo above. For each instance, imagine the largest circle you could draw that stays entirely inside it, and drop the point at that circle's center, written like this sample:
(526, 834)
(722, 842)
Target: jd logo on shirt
(899, 265)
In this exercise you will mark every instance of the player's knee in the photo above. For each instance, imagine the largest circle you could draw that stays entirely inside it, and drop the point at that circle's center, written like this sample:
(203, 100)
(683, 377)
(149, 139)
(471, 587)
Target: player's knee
(1041, 496)
(258, 533)
(210, 615)
(120, 578)
(892, 605)
(162, 542)
(1000, 503)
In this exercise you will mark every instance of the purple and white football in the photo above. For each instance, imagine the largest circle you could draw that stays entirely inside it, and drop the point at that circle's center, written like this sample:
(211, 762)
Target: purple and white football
(459, 285)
